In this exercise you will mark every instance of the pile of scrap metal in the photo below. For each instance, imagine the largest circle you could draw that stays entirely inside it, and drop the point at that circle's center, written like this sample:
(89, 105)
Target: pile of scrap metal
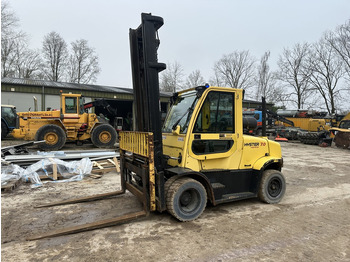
(19, 165)
(18, 149)
(321, 138)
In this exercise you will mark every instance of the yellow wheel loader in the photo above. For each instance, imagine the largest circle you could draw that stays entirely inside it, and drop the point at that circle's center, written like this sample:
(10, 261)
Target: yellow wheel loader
(70, 123)
(200, 157)
(342, 133)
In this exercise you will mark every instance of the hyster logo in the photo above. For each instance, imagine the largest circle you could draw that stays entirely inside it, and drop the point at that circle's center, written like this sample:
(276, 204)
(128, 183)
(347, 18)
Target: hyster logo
(256, 144)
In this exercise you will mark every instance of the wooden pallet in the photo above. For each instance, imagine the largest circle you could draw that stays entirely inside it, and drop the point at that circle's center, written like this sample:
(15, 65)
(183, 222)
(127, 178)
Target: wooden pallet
(104, 166)
(10, 186)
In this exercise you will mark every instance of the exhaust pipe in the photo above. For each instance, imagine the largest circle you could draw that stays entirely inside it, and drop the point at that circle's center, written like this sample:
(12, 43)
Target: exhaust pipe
(263, 101)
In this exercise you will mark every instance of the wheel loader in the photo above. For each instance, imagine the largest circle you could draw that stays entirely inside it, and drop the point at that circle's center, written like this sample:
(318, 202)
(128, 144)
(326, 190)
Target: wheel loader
(342, 133)
(8, 119)
(70, 123)
(200, 157)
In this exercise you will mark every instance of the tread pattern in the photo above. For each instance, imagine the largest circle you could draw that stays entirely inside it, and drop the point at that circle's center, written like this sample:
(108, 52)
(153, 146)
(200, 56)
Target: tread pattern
(51, 128)
(174, 187)
(168, 183)
(263, 194)
(96, 132)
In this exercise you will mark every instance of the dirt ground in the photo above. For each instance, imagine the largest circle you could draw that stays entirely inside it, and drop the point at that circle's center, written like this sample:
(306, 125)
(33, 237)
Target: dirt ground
(310, 224)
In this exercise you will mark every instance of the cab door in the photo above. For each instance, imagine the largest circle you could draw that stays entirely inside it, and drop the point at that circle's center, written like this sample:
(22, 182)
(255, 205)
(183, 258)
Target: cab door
(70, 109)
(213, 140)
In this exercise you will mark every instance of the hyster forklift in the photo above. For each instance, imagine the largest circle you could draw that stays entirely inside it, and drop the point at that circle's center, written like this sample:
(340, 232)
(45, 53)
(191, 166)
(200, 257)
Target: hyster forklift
(200, 155)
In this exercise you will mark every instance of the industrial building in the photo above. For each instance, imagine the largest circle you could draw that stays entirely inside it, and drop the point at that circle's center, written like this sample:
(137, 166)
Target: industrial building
(22, 93)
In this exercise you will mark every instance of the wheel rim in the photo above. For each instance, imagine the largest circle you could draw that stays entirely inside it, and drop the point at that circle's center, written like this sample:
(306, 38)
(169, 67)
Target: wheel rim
(51, 138)
(105, 137)
(189, 201)
(275, 187)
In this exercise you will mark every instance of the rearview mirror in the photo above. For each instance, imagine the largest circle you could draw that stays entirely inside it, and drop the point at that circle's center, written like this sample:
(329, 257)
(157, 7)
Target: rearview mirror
(176, 131)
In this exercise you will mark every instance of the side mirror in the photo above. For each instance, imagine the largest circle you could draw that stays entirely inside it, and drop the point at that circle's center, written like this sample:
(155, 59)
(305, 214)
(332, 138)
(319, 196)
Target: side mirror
(176, 131)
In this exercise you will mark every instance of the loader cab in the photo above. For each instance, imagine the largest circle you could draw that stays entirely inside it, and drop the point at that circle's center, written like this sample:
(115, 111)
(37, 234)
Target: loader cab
(72, 104)
(72, 108)
(201, 131)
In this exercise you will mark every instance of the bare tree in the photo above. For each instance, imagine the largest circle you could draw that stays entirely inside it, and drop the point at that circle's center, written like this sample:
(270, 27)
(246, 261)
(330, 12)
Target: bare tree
(266, 80)
(294, 71)
(339, 40)
(216, 80)
(9, 21)
(327, 70)
(8, 57)
(83, 66)
(11, 38)
(195, 79)
(172, 78)
(55, 55)
(236, 69)
(28, 63)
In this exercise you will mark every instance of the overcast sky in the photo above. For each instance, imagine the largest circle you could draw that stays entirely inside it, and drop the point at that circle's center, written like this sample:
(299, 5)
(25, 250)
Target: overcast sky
(195, 33)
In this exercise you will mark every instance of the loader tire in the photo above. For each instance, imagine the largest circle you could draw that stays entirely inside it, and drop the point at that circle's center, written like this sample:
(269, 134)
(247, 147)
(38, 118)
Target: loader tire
(272, 187)
(186, 199)
(104, 136)
(54, 136)
(4, 130)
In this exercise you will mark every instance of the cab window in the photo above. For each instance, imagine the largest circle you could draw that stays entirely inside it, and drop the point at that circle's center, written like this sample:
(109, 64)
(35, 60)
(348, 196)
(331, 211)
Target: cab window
(216, 115)
(71, 105)
(81, 105)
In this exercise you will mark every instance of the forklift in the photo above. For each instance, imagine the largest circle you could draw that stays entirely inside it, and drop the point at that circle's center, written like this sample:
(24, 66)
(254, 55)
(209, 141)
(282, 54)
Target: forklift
(199, 156)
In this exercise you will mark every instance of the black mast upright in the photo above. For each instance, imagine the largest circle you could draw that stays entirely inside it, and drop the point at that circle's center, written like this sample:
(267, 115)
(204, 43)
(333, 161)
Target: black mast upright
(144, 44)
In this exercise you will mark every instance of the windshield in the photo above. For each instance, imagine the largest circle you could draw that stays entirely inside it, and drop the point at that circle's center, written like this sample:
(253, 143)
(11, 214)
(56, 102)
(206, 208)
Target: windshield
(81, 105)
(345, 124)
(180, 113)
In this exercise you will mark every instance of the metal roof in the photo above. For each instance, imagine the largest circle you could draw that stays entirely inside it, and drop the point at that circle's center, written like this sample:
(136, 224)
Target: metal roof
(89, 87)
(46, 83)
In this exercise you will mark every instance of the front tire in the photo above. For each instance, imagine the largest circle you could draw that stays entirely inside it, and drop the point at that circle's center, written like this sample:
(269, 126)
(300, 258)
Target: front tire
(186, 199)
(54, 136)
(272, 187)
(104, 136)
(4, 130)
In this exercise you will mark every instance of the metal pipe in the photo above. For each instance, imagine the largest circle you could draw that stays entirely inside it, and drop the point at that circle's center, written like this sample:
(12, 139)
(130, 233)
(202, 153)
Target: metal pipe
(263, 116)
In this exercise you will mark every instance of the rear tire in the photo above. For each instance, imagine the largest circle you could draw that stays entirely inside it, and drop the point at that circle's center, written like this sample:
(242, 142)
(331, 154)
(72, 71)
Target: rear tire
(272, 187)
(4, 130)
(186, 199)
(54, 136)
(104, 136)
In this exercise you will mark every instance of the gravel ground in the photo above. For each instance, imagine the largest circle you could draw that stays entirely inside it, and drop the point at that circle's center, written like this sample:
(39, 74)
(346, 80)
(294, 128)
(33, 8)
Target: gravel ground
(311, 223)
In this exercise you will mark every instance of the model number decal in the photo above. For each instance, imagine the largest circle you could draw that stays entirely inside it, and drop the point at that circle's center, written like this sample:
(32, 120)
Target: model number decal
(255, 144)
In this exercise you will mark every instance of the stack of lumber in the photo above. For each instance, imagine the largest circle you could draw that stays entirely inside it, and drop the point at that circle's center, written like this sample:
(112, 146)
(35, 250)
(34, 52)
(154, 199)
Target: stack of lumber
(26, 160)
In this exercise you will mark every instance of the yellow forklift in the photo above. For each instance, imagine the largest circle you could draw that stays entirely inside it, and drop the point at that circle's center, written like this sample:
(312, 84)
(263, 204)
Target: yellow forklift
(200, 156)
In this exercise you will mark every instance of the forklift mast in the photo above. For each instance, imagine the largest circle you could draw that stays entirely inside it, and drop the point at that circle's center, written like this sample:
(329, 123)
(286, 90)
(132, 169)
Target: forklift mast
(144, 44)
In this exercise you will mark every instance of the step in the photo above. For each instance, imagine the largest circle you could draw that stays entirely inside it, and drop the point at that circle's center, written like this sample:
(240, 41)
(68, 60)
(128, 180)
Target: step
(217, 185)
(238, 195)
